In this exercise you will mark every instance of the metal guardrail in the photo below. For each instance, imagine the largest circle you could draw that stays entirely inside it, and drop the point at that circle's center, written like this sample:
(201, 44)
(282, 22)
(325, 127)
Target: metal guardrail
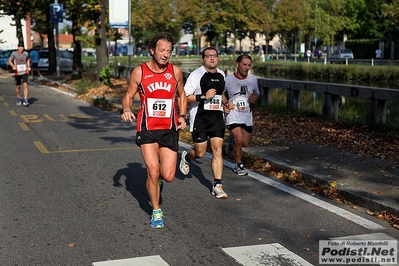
(376, 104)
(347, 61)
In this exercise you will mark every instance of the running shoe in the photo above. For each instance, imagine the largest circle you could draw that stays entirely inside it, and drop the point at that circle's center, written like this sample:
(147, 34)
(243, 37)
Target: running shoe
(156, 219)
(19, 101)
(230, 145)
(26, 103)
(218, 192)
(239, 169)
(184, 166)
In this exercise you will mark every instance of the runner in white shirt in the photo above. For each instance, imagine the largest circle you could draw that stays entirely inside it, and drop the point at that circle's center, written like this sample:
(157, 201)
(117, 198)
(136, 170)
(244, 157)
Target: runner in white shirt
(241, 90)
(205, 94)
(20, 63)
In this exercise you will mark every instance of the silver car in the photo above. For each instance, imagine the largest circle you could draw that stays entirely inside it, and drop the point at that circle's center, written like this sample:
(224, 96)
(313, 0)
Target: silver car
(343, 53)
(66, 60)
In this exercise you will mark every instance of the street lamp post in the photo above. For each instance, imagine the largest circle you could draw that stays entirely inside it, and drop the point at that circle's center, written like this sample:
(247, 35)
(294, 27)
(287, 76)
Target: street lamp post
(57, 45)
(315, 30)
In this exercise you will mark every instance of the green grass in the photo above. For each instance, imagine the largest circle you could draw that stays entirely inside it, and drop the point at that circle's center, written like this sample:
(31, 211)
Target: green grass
(83, 85)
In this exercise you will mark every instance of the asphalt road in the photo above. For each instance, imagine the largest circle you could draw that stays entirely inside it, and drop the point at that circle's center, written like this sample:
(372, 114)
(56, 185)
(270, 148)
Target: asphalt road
(72, 192)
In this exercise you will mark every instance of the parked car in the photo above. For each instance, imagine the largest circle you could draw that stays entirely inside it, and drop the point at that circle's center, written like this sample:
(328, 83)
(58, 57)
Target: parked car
(342, 53)
(89, 53)
(184, 52)
(66, 60)
(4, 55)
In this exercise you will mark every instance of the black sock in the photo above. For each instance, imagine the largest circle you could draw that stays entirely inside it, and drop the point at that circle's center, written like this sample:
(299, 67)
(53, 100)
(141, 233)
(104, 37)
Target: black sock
(217, 182)
(187, 159)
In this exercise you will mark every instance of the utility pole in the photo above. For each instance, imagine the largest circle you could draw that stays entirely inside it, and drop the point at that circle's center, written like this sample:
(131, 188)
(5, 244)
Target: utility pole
(130, 39)
(315, 29)
(57, 40)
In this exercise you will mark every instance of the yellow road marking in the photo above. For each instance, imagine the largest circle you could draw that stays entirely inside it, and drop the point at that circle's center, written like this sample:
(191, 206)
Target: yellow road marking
(31, 118)
(24, 126)
(40, 147)
(93, 150)
(6, 104)
(65, 119)
(43, 149)
(13, 113)
(1, 98)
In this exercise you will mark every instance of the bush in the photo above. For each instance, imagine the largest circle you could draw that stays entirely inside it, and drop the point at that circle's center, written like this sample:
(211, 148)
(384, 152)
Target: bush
(105, 76)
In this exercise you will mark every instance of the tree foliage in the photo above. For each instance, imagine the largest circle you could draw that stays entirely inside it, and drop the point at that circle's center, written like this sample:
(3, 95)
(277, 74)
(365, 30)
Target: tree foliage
(19, 10)
(331, 22)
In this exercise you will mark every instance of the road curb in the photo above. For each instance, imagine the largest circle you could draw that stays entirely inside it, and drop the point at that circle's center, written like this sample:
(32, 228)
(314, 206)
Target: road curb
(359, 197)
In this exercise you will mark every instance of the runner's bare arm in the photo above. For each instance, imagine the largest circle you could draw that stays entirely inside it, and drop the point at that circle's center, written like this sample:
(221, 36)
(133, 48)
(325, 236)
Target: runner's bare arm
(11, 63)
(127, 101)
(182, 100)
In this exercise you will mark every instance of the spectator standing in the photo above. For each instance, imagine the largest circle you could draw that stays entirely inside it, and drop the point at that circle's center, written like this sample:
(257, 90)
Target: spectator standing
(262, 56)
(204, 88)
(378, 53)
(34, 55)
(20, 63)
(242, 91)
(158, 82)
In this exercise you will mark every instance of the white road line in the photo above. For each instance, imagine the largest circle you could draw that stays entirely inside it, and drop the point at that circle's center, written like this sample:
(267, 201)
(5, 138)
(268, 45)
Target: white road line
(373, 236)
(142, 261)
(269, 254)
(313, 200)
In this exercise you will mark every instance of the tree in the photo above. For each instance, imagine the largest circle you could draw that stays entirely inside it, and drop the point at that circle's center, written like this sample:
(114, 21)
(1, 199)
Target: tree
(93, 15)
(77, 18)
(18, 10)
(41, 21)
(160, 15)
(290, 17)
(391, 12)
(191, 17)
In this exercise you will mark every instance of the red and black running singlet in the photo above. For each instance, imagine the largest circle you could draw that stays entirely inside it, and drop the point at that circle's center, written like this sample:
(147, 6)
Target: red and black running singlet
(158, 100)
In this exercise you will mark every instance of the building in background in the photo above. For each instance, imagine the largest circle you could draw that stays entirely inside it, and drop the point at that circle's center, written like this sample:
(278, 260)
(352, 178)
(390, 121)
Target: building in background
(9, 34)
(40, 40)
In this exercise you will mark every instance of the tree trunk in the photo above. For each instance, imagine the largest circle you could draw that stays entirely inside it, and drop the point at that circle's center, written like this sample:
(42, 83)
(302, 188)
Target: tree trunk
(101, 39)
(52, 68)
(18, 28)
(77, 48)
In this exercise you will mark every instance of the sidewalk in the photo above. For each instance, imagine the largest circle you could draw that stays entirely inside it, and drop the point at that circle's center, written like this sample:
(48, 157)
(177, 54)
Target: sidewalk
(371, 183)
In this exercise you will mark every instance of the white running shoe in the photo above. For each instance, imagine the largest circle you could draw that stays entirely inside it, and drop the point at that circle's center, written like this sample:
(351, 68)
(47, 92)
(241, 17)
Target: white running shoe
(218, 192)
(184, 166)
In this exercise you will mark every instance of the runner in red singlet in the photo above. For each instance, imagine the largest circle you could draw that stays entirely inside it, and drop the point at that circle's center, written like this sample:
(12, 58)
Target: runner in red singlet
(158, 122)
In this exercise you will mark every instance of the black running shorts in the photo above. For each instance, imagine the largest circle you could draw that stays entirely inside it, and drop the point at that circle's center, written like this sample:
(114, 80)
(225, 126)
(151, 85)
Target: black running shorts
(23, 78)
(244, 126)
(201, 136)
(165, 138)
